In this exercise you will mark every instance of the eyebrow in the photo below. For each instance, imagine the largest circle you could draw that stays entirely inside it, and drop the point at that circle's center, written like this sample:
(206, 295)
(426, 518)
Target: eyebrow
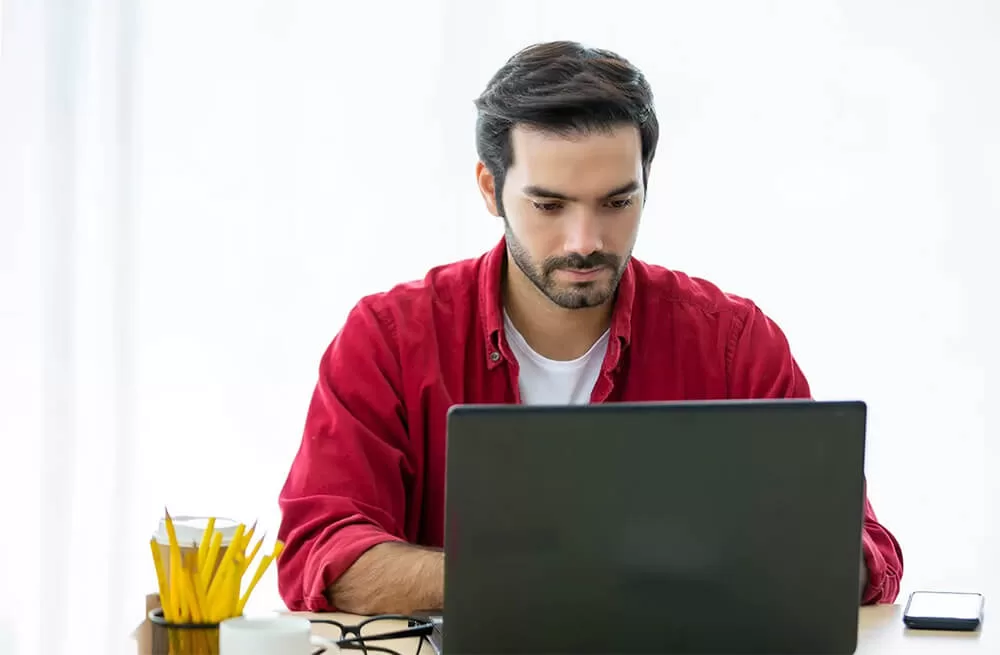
(541, 192)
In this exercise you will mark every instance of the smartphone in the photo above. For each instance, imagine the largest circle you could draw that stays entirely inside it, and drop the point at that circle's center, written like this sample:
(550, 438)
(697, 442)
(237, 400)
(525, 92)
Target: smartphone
(943, 610)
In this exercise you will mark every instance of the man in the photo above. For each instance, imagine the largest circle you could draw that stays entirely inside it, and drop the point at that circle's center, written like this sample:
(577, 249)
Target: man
(558, 312)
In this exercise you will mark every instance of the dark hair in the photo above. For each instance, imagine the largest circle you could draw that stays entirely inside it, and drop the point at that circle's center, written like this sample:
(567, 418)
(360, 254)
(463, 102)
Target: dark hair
(562, 87)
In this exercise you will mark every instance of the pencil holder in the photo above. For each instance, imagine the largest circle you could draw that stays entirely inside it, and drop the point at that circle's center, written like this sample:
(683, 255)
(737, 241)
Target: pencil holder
(183, 638)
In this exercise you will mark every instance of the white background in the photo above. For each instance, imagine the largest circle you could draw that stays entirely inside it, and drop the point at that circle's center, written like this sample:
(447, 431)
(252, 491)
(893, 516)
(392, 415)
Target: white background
(193, 195)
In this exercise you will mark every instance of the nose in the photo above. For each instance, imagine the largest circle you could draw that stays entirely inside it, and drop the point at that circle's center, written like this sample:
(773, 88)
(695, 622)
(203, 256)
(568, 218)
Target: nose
(583, 234)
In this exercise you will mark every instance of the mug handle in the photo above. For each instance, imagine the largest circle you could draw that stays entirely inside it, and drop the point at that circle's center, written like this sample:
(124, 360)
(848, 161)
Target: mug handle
(322, 645)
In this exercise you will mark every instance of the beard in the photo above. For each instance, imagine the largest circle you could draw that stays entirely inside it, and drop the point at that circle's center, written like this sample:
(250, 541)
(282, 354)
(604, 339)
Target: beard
(569, 295)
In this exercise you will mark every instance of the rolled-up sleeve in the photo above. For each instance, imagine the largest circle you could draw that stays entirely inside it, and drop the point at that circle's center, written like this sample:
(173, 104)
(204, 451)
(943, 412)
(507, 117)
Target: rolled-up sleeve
(347, 488)
(883, 559)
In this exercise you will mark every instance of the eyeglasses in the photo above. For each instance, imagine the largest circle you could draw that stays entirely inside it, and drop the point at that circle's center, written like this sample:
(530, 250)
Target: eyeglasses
(383, 627)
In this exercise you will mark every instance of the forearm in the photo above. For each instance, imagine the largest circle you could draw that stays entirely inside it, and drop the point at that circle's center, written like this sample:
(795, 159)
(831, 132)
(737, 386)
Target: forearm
(391, 578)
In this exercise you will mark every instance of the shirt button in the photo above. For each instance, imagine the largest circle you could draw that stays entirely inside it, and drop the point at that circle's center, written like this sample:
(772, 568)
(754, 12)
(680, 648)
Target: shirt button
(495, 356)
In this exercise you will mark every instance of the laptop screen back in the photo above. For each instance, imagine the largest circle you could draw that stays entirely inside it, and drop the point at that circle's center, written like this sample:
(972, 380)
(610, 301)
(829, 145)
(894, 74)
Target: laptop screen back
(671, 528)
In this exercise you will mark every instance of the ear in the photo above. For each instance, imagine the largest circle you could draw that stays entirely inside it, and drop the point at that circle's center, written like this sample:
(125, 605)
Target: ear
(487, 188)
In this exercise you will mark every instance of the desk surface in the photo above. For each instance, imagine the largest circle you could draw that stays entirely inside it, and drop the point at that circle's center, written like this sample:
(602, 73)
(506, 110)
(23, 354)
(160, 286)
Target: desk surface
(880, 632)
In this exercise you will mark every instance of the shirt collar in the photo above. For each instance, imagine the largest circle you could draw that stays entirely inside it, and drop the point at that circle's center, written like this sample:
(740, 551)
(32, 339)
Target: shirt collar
(491, 306)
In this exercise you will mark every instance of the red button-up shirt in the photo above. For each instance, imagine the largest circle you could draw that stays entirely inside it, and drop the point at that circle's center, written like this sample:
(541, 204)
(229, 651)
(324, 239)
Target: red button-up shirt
(371, 465)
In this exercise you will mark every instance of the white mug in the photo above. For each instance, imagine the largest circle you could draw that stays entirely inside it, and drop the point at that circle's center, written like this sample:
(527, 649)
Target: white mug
(272, 635)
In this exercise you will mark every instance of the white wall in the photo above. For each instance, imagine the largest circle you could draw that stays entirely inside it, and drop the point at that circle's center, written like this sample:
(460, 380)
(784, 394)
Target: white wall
(835, 161)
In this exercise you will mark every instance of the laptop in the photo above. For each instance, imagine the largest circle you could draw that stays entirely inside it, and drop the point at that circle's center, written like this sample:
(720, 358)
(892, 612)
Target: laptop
(702, 528)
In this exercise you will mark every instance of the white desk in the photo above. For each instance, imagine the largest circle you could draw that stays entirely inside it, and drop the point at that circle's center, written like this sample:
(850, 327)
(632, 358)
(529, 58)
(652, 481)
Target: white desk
(880, 632)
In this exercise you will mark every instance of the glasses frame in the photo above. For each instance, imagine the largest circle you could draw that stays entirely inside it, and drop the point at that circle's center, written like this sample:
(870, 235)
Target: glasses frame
(351, 637)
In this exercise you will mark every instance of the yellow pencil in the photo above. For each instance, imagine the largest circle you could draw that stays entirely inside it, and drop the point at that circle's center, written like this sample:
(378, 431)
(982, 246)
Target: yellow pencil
(217, 581)
(191, 575)
(214, 613)
(253, 554)
(253, 582)
(233, 600)
(194, 612)
(206, 538)
(176, 592)
(234, 546)
(223, 593)
(200, 597)
(248, 536)
(161, 581)
(176, 595)
(208, 566)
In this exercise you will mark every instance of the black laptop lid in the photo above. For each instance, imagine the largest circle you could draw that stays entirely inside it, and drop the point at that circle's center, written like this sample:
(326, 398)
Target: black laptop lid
(654, 528)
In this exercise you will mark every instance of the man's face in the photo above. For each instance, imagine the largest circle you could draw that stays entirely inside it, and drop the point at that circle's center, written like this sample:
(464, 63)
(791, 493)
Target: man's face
(572, 205)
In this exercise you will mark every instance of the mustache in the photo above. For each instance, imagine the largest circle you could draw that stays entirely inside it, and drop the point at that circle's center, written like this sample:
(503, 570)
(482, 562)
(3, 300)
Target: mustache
(576, 261)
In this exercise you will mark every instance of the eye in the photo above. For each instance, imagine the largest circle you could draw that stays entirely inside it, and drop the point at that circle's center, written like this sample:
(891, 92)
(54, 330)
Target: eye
(547, 207)
(621, 203)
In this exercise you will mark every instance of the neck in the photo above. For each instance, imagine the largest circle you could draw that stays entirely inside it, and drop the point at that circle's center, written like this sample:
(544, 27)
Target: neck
(552, 331)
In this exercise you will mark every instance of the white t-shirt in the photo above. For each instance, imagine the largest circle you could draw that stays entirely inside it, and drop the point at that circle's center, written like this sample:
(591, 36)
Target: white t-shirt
(544, 381)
